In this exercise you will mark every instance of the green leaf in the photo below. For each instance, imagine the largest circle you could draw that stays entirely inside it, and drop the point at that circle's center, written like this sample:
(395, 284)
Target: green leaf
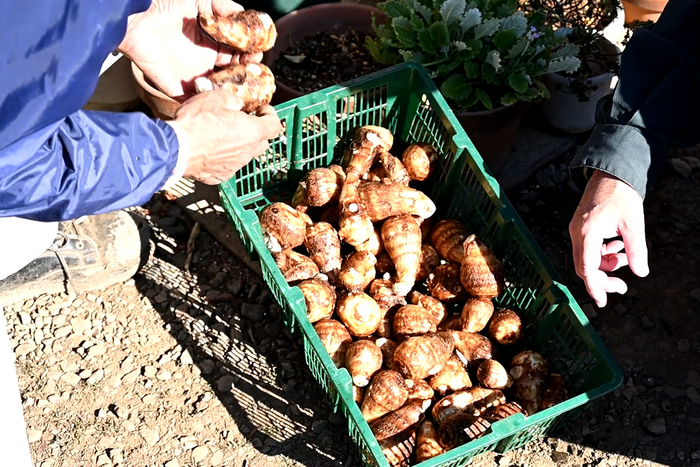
(447, 68)
(493, 58)
(382, 31)
(543, 89)
(380, 52)
(487, 28)
(451, 11)
(488, 73)
(471, 69)
(456, 87)
(416, 23)
(423, 10)
(566, 65)
(440, 34)
(519, 48)
(569, 50)
(484, 98)
(504, 40)
(395, 9)
(469, 101)
(563, 32)
(426, 42)
(516, 23)
(510, 99)
(471, 18)
(519, 82)
(412, 56)
(405, 34)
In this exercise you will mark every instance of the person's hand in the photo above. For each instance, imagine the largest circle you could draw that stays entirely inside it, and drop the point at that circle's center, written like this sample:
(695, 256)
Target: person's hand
(221, 138)
(609, 208)
(168, 46)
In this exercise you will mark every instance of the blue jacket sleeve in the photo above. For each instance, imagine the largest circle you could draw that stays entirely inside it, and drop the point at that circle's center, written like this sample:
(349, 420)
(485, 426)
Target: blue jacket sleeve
(655, 105)
(56, 161)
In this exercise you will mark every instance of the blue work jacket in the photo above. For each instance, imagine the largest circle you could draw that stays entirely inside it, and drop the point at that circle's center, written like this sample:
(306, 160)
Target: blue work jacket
(656, 104)
(57, 161)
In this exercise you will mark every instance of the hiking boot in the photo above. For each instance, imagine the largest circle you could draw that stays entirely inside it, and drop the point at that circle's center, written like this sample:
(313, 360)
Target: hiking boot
(89, 253)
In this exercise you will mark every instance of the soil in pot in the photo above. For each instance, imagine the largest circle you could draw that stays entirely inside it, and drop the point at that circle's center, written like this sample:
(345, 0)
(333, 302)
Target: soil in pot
(323, 60)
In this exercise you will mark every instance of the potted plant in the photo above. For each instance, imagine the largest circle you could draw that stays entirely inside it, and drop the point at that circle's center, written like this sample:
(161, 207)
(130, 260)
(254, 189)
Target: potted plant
(574, 95)
(487, 57)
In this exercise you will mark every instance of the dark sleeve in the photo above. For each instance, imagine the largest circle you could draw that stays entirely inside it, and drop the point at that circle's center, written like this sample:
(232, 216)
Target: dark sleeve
(656, 104)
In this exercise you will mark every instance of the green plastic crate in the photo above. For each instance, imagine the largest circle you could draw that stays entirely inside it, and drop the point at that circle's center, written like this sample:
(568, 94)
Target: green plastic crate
(404, 99)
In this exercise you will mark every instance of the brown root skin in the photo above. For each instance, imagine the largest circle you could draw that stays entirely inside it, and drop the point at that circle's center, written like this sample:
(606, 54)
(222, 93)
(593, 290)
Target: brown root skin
(482, 274)
(447, 236)
(246, 31)
(253, 83)
(412, 320)
(444, 283)
(283, 227)
(357, 271)
(427, 444)
(384, 200)
(433, 305)
(320, 299)
(420, 160)
(355, 225)
(335, 339)
(294, 266)
(359, 313)
(505, 327)
(362, 360)
(402, 241)
(476, 314)
(429, 260)
(395, 422)
(322, 186)
(323, 244)
(423, 356)
(394, 169)
(453, 377)
(386, 392)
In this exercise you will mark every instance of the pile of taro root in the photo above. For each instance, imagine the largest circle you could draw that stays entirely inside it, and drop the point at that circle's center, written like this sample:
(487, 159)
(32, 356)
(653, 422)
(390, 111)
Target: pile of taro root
(405, 302)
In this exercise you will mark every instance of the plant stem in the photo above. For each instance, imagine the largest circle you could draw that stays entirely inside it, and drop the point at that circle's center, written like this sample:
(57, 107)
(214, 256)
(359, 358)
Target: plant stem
(437, 62)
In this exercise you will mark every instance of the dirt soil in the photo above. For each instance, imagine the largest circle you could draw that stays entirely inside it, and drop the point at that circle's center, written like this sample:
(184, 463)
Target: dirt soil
(189, 364)
(324, 60)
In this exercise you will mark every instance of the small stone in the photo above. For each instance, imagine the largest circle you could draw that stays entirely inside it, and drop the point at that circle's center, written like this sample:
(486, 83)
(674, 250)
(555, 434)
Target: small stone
(34, 435)
(693, 395)
(131, 376)
(504, 460)
(200, 453)
(150, 371)
(24, 349)
(150, 436)
(655, 426)
(96, 350)
(216, 458)
(680, 455)
(103, 459)
(163, 375)
(544, 181)
(681, 167)
(318, 426)
(253, 312)
(207, 366)
(71, 378)
(589, 310)
(186, 358)
(630, 393)
(80, 325)
(225, 383)
(85, 374)
(101, 413)
(172, 463)
(695, 455)
(647, 323)
(683, 345)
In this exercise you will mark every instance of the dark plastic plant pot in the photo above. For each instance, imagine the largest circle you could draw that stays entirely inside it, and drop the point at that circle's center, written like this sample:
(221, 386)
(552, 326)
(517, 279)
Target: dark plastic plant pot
(493, 131)
(331, 18)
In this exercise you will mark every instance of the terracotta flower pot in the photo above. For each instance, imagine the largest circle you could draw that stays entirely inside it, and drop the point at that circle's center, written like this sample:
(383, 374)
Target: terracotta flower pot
(161, 105)
(493, 131)
(331, 18)
(643, 10)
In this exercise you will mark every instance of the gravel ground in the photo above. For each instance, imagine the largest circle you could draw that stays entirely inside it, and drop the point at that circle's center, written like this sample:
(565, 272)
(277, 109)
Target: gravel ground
(188, 364)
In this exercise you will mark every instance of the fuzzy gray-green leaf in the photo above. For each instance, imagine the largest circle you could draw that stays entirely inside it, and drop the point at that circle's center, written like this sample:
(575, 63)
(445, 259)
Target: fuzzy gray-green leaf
(472, 17)
(451, 11)
(519, 47)
(516, 23)
(487, 28)
(405, 34)
(566, 65)
(395, 8)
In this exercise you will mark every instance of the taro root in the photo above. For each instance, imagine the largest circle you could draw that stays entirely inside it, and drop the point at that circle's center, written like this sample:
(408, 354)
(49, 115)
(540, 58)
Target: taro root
(482, 274)
(394, 169)
(246, 31)
(252, 83)
(491, 374)
(384, 200)
(329, 213)
(450, 323)
(319, 187)
(412, 320)
(368, 142)
(427, 444)
(499, 412)
(382, 291)
(554, 393)
(529, 370)
(432, 304)
(323, 244)
(396, 421)
(420, 160)
(461, 401)
(358, 394)
(354, 225)
(373, 244)
(363, 359)
(476, 314)
(335, 339)
(385, 328)
(447, 236)
(386, 392)
(294, 266)
(359, 313)
(444, 283)
(388, 347)
(426, 226)
(384, 264)
(357, 271)
(319, 297)
(461, 428)
(398, 449)
(418, 389)
(401, 237)
(428, 261)
(473, 346)
(452, 378)
(282, 226)
(505, 327)
(423, 356)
